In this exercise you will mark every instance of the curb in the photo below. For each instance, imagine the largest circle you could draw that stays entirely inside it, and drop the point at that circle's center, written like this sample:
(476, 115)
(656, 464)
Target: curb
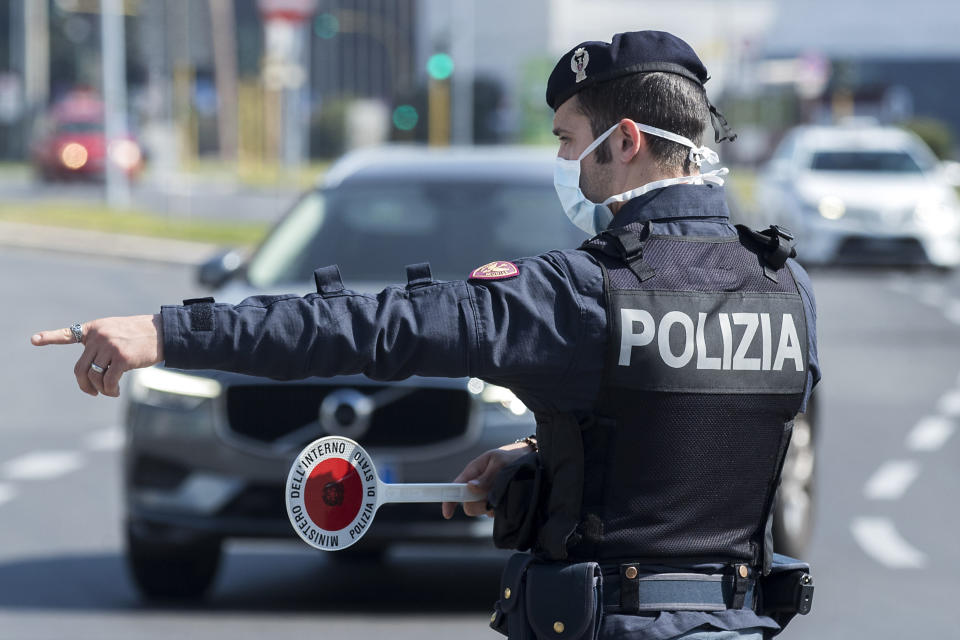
(103, 244)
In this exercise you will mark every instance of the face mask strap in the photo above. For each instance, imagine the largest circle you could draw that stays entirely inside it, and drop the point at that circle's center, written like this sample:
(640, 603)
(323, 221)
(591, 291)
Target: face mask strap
(713, 177)
(596, 143)
(697, 154)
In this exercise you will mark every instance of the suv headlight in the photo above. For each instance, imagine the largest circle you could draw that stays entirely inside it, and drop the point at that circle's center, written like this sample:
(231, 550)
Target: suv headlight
(937, 214)
(831, 207)
(493, 394)
(170, 389)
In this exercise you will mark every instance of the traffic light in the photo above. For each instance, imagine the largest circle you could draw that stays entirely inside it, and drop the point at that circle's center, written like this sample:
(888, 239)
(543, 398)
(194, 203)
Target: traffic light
(439, 68)
(405, 117)
(326, 26)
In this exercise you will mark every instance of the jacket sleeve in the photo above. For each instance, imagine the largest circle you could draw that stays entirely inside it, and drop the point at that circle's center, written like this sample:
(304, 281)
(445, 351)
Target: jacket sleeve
(519, 329)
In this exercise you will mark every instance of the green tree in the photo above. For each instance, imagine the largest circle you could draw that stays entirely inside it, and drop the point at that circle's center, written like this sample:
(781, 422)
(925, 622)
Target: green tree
(936, 133)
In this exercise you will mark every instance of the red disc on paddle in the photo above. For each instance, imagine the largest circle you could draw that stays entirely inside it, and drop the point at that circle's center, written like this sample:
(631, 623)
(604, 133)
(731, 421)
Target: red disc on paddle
(333, 494)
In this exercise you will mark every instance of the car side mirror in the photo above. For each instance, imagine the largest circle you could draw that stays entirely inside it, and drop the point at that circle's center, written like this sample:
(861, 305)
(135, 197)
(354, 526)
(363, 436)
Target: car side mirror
(219, 268)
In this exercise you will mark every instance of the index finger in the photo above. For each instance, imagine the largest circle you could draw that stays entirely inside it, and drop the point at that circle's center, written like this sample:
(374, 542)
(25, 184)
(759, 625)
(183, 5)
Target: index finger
(57, 336)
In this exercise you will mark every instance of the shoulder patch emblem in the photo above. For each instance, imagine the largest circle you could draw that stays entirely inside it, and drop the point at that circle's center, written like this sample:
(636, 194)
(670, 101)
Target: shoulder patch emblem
(496, 270)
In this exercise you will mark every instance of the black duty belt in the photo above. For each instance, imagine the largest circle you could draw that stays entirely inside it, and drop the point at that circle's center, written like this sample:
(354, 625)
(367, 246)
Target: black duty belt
(633, 591)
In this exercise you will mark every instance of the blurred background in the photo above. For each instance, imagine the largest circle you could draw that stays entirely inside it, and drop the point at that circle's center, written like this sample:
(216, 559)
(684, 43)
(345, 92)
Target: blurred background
(157, 150)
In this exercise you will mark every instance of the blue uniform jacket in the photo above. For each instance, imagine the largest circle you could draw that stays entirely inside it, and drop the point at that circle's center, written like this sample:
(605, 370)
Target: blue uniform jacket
(541, 333)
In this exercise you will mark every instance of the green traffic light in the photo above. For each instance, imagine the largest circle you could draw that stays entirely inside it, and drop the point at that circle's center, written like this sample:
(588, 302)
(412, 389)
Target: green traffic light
(326, 26)
(405, 117)
(440, 66)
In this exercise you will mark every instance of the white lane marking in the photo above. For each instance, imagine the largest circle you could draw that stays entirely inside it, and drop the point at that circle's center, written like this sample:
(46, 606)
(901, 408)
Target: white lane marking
(900, 284)
(42, 465)
(7, 493)
(931, 294)
(951, 309)
(108, 439)
(891, 480)
(930, 433)
(949, 404)
(881, 541)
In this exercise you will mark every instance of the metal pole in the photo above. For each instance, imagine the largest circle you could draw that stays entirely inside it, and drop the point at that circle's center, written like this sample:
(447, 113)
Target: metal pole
(22, 126)
(225, 74)
(14, 10)
(36, 63)
(293, 99)
(113, 62)
(462, 38)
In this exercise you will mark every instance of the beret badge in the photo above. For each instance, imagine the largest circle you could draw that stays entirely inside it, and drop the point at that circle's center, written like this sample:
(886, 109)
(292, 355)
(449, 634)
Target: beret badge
(579, 62)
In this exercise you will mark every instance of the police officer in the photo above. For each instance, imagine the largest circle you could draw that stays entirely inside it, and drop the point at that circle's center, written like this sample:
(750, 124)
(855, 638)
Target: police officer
(664, 361)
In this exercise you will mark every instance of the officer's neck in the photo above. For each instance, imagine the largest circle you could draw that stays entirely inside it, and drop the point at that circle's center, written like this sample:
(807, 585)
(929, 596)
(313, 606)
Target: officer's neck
(639, 174)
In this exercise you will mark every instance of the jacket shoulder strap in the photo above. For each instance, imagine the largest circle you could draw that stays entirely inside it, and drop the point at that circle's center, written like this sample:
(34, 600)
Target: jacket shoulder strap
(622, 243)
(774, 246)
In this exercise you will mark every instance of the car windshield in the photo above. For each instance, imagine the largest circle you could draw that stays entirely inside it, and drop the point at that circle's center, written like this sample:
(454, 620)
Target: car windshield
(372, 231)
(80, 127)
(872, 161)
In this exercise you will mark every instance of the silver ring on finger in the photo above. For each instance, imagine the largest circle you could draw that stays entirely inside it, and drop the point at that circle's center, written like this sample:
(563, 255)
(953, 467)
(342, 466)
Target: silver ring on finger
(77, 330)
(97, 368)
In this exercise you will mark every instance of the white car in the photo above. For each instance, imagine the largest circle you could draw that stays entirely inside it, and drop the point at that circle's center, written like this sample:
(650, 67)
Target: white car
(858, 193)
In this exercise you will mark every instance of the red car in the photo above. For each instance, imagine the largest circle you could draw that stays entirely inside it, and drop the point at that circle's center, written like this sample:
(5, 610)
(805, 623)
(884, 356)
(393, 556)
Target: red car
(72, 144)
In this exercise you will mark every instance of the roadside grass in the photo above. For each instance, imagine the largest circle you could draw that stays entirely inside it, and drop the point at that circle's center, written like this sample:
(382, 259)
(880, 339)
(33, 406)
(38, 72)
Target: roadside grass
(259, 174)
(99, 218)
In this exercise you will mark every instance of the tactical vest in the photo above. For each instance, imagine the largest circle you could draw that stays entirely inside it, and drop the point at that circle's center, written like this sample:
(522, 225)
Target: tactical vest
(706, 369)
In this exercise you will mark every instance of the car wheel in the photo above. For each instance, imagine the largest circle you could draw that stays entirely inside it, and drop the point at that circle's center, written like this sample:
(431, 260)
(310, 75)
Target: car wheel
(172, 570)
(793, 514)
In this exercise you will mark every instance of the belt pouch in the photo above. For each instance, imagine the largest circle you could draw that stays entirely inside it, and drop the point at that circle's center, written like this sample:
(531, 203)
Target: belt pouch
(564, 601)
(509, 616)
(515, 499)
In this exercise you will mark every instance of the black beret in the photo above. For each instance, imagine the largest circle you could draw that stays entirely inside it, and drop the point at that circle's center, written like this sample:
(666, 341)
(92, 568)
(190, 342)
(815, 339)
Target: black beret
(634, 52)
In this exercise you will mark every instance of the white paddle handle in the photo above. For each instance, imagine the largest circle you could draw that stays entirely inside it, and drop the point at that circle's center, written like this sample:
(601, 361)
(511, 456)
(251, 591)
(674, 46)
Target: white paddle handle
(435, 492)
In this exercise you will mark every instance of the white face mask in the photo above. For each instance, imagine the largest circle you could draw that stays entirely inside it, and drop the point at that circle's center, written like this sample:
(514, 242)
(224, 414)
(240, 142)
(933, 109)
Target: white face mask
(594, 218)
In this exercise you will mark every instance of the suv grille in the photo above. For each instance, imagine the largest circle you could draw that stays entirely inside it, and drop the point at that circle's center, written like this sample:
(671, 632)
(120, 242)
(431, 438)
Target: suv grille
(269, 413)
(886, 250)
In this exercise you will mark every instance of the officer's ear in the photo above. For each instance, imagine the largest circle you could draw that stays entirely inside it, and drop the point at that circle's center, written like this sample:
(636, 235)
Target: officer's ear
(633, 140)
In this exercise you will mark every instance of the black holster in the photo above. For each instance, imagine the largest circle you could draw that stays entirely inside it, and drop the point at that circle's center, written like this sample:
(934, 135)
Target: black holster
(549, 600)
(515, 499)
(560, 437)
(787, 590)
(536, 500)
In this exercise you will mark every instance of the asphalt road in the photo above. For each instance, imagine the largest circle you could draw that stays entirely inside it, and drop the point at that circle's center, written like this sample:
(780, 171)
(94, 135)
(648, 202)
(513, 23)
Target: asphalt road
(884, 552)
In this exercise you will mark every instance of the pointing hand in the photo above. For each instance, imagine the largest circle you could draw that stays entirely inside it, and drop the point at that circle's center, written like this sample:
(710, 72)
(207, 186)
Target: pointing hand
(112, 346)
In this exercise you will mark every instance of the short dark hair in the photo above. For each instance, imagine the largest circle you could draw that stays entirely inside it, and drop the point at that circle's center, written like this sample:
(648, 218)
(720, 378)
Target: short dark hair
(664, 100)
